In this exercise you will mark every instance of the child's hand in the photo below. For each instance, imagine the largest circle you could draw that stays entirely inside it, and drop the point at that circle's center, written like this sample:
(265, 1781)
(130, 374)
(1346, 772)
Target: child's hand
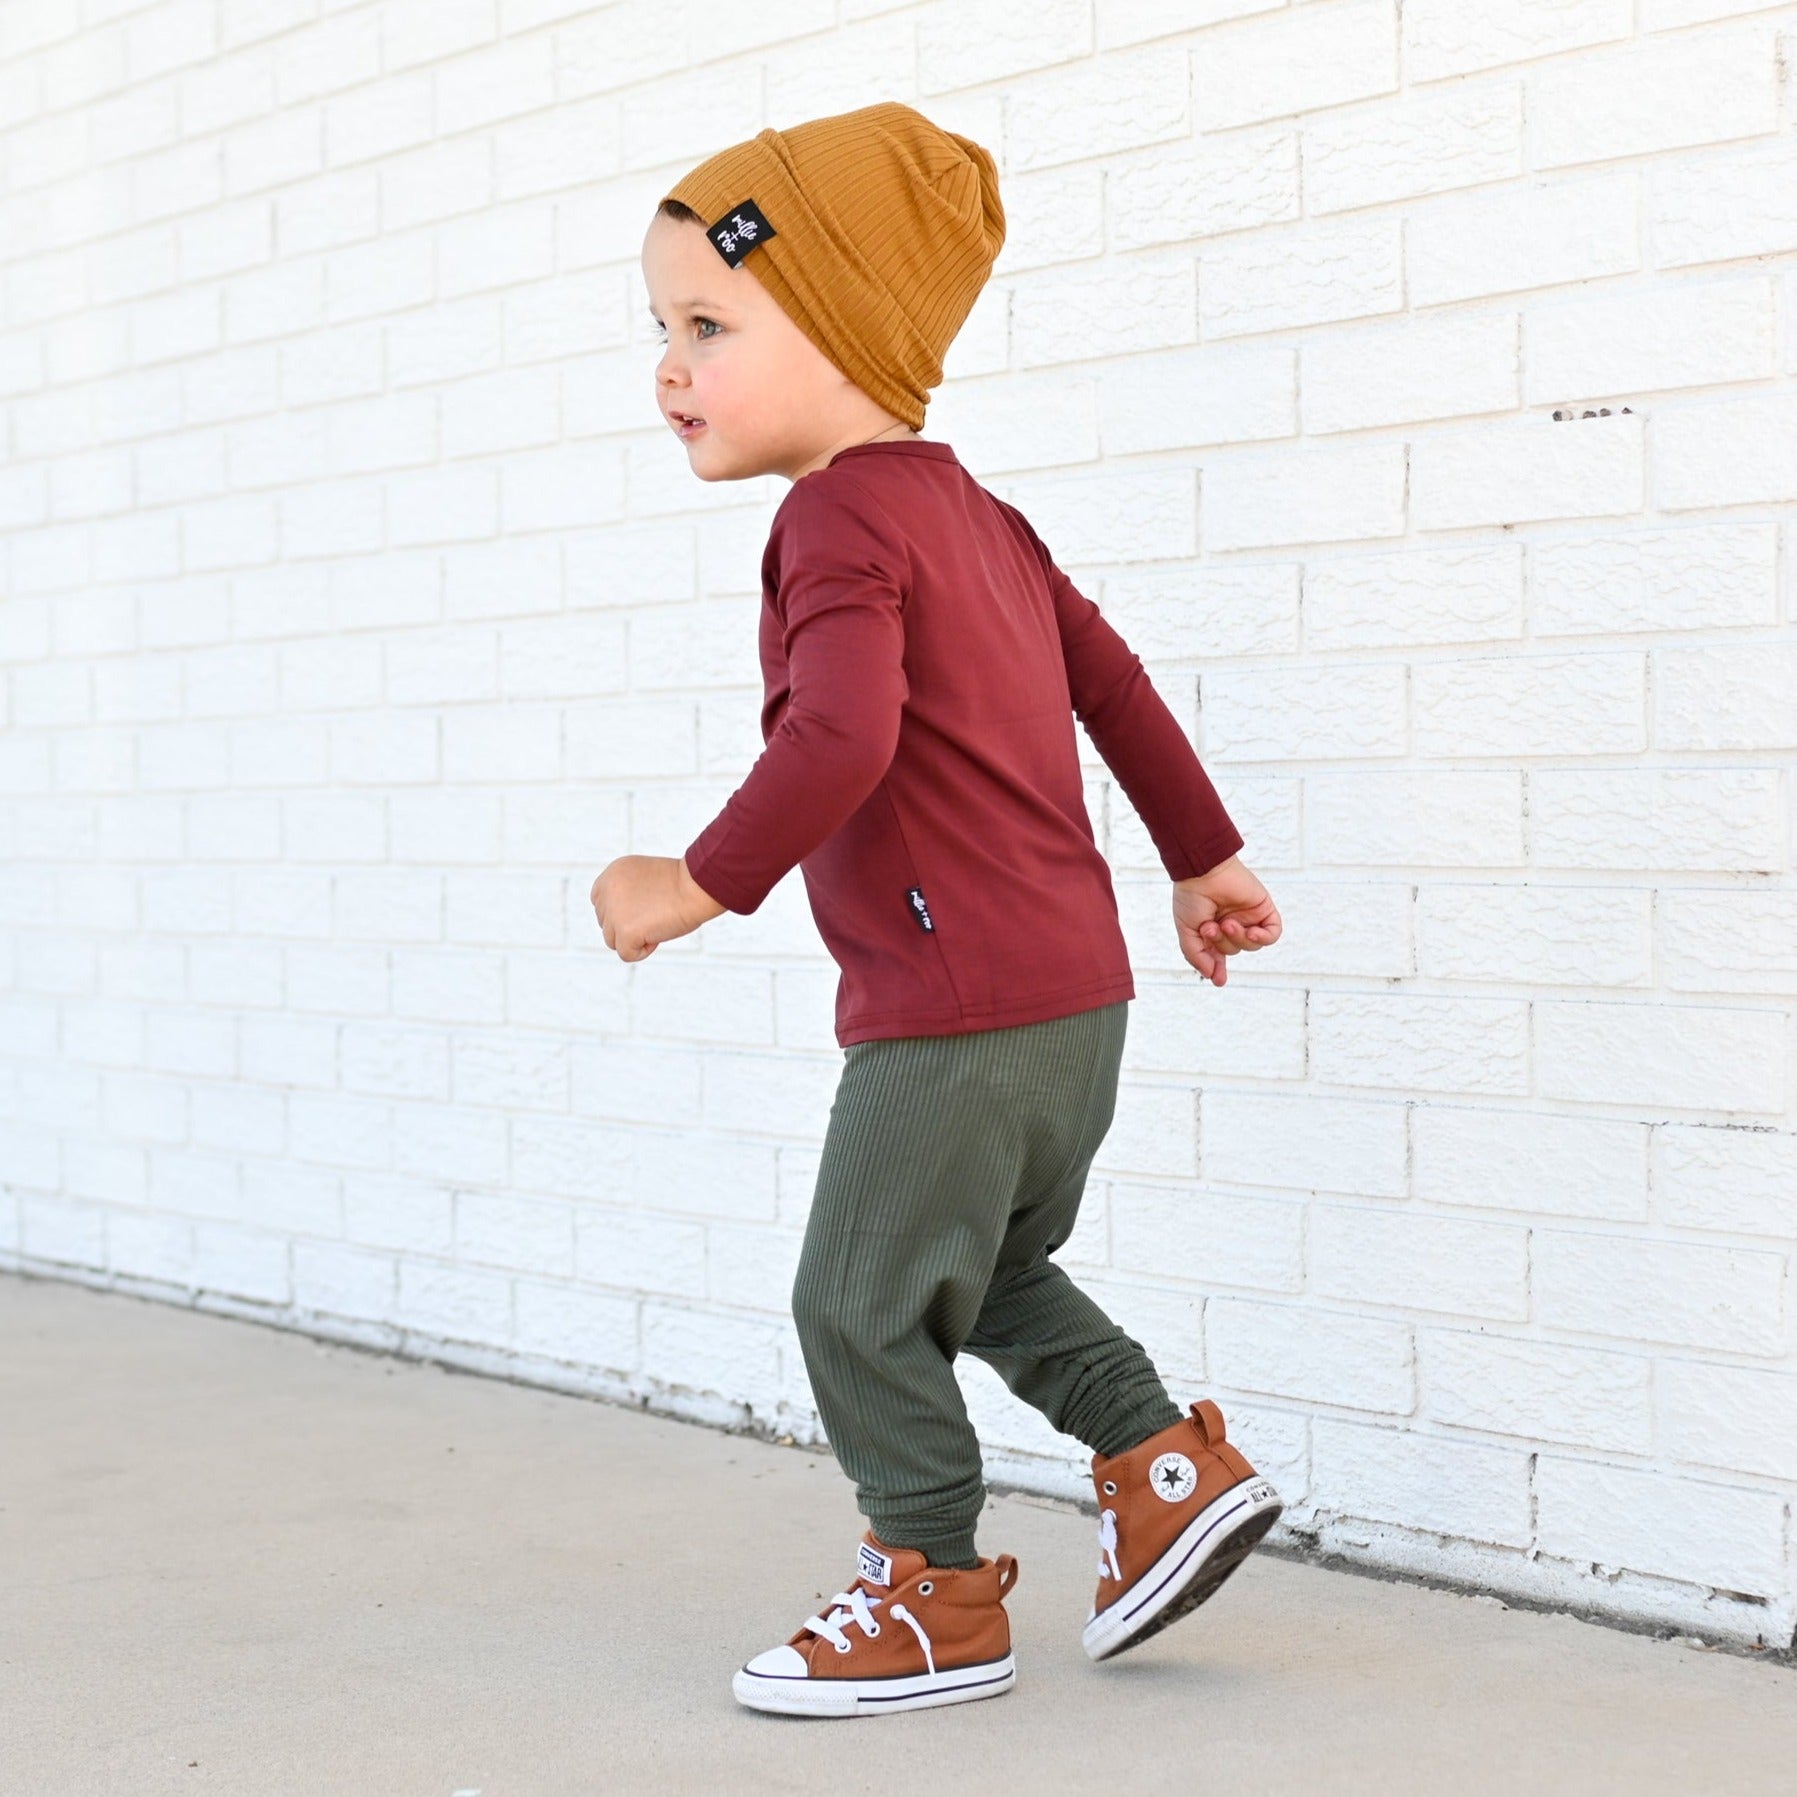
(1221, 913)
(642, 901)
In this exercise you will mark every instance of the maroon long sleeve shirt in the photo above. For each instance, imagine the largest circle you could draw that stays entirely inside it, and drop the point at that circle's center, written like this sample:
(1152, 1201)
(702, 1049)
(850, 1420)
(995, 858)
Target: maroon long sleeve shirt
(923, 660)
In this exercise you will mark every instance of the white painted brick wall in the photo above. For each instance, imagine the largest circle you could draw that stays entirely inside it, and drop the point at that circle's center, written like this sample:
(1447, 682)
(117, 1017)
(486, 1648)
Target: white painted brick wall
(356, 611)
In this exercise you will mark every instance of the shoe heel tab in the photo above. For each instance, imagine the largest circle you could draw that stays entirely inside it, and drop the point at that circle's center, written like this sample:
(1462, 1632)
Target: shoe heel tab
(1007, 1573)
(1209, 1421)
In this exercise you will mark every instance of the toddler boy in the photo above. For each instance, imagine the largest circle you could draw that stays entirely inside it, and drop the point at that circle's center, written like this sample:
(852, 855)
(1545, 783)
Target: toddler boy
(923, 658)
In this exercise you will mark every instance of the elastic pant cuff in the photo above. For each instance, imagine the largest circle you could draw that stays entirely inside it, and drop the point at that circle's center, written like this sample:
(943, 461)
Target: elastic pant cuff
(1134, 1429)
(952, 1549)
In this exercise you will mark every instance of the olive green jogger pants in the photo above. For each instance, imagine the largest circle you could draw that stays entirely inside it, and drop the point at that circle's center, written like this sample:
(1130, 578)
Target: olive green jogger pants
(952, 1168)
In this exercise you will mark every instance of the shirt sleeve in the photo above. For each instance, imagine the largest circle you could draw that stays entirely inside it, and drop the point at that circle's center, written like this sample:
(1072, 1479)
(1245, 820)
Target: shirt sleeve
(839, 595)
(1140, 739)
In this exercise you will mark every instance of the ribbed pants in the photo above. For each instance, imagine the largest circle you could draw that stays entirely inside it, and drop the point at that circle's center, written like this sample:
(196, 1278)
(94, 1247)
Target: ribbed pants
(952, 1169)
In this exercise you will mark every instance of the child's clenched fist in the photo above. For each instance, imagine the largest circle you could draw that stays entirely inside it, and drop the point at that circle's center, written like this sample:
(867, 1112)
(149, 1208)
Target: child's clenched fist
(642, 901)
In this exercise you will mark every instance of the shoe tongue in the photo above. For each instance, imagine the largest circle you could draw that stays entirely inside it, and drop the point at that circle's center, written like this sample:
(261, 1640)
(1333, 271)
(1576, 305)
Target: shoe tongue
(885, 1567)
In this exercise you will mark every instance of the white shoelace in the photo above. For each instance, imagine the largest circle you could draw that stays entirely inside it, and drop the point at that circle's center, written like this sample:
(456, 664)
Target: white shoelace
(1107, 1543)
(857, 1607)
(923, 1640)
(849, 1606)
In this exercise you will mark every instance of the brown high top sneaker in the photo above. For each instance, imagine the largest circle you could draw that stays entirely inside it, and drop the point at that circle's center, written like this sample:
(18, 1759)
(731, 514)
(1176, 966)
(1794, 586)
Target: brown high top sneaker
(1176, 1515)
(904, 1636)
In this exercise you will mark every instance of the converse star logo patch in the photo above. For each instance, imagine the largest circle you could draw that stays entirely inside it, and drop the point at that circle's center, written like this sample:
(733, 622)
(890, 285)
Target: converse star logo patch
(739, 230)
(873, 1565)
(1173, 1477)
(919, 909)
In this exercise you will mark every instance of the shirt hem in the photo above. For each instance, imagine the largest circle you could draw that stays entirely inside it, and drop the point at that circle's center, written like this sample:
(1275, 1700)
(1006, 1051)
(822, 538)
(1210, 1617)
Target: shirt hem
(964, 1021)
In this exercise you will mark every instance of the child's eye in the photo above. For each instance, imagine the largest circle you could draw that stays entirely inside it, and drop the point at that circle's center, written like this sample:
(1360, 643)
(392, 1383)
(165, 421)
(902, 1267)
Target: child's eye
(660, 330)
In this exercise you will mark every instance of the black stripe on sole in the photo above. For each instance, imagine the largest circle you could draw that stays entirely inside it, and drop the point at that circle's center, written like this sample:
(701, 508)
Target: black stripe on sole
(1205, 1582)
(976, 1684)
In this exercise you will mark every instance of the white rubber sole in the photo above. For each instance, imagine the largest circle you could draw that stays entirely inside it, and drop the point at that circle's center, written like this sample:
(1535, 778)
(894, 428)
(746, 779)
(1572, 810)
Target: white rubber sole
(1204, 1553)
(872, 1696)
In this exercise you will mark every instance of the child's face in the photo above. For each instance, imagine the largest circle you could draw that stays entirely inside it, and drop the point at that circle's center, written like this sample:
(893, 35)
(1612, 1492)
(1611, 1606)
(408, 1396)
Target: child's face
(771, 400)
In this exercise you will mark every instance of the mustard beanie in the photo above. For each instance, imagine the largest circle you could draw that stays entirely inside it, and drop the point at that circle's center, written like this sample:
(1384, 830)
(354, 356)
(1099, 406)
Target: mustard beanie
(874, 230)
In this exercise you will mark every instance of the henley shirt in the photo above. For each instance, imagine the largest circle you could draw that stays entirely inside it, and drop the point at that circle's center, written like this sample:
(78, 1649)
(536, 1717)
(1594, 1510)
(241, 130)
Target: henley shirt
(923, 660)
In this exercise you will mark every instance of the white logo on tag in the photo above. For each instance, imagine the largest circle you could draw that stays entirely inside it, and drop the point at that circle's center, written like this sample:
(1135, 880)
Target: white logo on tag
(873, 1565)
(1173, 1477)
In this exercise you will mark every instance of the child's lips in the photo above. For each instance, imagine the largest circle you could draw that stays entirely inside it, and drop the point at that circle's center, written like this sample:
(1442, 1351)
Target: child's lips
(685, 426)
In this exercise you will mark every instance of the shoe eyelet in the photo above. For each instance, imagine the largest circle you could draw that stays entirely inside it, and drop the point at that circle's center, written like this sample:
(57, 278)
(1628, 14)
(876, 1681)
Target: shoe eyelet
(873, 1628)
(926, 1588)
(1110, 1488)
(842, 1647)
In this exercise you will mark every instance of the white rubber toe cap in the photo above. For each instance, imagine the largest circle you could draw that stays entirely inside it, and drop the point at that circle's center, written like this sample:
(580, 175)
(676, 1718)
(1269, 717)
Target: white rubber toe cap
(780, 1662)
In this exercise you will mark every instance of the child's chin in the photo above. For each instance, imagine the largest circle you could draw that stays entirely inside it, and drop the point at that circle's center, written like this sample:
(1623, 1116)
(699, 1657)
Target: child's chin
(717, 467)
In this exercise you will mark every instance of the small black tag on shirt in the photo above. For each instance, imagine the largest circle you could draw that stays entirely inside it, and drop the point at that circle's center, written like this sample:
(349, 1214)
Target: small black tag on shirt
(919, 909)
(739, 230)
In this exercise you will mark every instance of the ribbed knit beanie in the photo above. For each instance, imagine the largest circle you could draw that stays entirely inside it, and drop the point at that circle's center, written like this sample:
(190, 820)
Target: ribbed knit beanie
(874, 230)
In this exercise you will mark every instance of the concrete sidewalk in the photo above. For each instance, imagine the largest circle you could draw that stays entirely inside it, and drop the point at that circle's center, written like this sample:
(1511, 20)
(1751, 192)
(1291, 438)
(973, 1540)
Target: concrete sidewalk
(234, 1559)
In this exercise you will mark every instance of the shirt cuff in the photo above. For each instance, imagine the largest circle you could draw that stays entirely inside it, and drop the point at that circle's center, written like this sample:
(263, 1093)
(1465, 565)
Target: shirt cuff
(1209, 855)
(714, 881)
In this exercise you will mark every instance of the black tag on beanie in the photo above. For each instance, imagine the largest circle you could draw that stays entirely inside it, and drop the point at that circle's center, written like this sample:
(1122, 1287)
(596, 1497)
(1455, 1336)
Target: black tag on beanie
(739, 230)
(919, 909)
